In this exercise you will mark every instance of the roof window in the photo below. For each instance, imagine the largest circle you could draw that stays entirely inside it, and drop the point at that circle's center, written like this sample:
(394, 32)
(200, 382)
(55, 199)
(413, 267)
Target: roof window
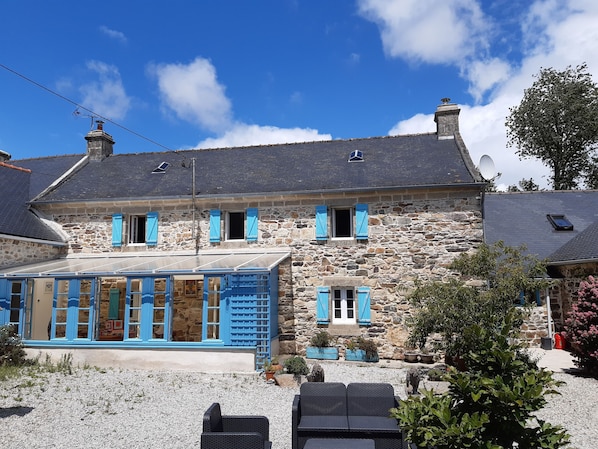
(356, 156)
(161, 168)
(560, 222)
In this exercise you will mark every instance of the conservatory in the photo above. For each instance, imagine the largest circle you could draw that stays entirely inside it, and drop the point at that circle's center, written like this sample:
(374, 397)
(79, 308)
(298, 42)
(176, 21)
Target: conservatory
(209, 300)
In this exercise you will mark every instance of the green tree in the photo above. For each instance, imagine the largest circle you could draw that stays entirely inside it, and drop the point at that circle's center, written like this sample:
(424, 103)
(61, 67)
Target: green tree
(557, 122)
(488, 285)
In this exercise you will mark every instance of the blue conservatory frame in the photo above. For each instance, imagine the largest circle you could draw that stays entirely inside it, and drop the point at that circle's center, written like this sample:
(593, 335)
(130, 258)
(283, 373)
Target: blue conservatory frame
(241, 312)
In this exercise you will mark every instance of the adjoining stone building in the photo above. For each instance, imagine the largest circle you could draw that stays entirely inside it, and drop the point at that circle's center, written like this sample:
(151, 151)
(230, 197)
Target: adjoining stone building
(193, 257)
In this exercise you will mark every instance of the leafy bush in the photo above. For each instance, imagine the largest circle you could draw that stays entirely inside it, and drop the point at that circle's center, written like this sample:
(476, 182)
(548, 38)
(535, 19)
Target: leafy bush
(581, 326)
(489, 282)
(321, 340)
(11, 347)
(296, 365)
(491, 406)
(435, 374)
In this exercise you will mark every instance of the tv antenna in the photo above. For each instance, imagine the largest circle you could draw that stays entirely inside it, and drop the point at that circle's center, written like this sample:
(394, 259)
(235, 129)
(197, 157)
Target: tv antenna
(77, 113)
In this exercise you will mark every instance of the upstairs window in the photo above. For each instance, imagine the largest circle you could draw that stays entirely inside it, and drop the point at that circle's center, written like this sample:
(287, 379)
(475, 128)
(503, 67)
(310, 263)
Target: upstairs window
(560, 222)
(141, 229)
(342, 223)
(235, 226)
(137, 229)
(345, 222)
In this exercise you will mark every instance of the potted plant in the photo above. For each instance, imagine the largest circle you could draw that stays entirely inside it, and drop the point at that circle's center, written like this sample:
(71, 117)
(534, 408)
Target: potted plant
(369, 348)
(272, 367)
(352, 352)
(320, 347)
(410, 355)
(425, 356)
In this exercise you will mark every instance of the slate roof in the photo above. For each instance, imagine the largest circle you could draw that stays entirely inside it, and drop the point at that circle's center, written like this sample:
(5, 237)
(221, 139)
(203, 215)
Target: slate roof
(15, 217)
(46, 170)
(520, 218)
(389, 162)
(582, 248)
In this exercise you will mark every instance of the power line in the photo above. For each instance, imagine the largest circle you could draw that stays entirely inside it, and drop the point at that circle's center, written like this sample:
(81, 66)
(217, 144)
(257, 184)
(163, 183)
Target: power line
(95, 114)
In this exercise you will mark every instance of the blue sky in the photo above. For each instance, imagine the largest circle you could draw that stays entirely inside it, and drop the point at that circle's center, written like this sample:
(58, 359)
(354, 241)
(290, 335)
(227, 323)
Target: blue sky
(213, 73)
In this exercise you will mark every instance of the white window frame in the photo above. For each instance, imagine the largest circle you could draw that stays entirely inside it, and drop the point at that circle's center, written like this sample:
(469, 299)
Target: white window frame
(133, 224)
(334, 220)
(342, 312)
(228, 225)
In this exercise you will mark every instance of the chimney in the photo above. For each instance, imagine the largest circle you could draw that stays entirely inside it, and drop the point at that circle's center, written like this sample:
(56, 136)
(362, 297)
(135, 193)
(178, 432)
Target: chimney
(4, 156)
(447, 119)
(99, 143)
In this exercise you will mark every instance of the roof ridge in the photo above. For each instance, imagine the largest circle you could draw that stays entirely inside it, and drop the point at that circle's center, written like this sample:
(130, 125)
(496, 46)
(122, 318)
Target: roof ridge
(14, 167)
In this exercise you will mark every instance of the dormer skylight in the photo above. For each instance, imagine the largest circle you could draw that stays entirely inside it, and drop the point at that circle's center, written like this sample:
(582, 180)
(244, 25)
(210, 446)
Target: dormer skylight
(560, 222)
(356, 156)
(161, 168)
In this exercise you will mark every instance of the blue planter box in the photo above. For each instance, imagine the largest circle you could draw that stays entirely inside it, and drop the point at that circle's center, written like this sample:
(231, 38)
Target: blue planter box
(355, 355)
(321, 353)
(358, 355)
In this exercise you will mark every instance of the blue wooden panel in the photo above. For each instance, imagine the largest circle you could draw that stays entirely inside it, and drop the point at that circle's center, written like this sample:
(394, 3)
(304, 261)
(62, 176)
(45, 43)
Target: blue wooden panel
(252, 222)
(151, 229)
(117, 230)
(322, 305)
(361, 221)
(4, 301)
(364, 305)
(214, 225)
(321, 223)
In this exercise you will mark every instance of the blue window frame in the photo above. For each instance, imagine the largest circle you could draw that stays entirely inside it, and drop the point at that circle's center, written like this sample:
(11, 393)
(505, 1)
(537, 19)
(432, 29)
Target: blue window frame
(147, 308)
(73, 309)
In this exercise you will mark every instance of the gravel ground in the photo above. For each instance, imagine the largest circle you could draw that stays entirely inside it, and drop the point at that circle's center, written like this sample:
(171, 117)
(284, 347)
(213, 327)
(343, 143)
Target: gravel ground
(94, 408)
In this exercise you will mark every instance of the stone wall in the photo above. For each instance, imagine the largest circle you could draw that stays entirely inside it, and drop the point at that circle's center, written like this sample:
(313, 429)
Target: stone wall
(17, 252)
(412, 235)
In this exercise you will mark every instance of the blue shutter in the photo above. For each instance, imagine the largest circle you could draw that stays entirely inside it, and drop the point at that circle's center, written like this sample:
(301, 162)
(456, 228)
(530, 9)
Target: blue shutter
(252, 224)
(151, 229)
(538, 298)
(214, 225)
(361, 221)
(322, 315)
(521, 298)
(117, 230)
(364, 318)
(4, 301)
(321, 223)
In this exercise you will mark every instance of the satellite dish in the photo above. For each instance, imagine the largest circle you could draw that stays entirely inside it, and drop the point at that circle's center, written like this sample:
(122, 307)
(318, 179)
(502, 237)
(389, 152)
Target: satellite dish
(487, 169)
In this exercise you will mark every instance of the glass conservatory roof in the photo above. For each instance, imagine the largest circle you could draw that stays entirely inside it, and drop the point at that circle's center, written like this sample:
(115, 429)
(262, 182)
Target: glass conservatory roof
(149, 264)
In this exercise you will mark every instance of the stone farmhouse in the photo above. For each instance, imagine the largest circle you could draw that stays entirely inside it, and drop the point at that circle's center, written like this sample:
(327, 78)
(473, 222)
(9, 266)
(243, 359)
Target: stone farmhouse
(209, 258)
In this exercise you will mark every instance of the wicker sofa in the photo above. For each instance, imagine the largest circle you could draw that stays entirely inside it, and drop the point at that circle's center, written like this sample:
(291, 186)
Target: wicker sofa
(234, 431)
(333, 410)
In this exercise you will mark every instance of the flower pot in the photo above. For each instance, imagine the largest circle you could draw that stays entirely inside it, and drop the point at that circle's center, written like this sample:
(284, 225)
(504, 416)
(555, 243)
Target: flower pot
(411, 357)
(328, 353)
(355, 355)
(426, 358)
(359, 355)
(270, 375)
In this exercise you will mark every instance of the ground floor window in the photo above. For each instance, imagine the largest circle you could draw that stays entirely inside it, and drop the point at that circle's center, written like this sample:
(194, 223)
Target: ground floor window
(343, 305)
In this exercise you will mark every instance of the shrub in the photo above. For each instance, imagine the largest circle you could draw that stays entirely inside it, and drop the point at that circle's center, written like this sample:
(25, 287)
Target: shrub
(491, 406)
(369, 346)
(581, 326)
(11, 347)
(296, 365)
(321, 340)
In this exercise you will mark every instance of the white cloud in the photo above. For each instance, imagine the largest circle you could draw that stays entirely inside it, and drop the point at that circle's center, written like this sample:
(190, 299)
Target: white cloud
(431, 31)
(107, 96)
(555, 34)
(242, 134)
(113, 34)
(193, 92)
